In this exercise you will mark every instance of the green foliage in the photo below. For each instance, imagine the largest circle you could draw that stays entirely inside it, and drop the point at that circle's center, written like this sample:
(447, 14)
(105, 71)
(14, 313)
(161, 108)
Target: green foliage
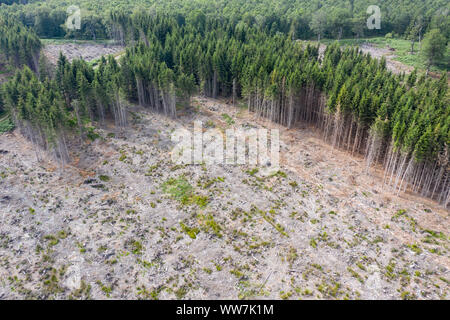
(136, 247)
(228, 119)
(209, 224)
(191, 232)
(19, 44)
(6, 124)
(180, 189)
(434, 46)
(299, 18)
(104, 178)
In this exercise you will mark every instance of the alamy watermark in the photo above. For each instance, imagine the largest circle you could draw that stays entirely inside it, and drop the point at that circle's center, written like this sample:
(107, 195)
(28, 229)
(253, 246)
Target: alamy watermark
(374, 21)
(73, 21)
(232, 147)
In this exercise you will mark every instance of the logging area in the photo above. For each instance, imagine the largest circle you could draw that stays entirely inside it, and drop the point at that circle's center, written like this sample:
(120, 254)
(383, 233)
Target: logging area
(91, 206)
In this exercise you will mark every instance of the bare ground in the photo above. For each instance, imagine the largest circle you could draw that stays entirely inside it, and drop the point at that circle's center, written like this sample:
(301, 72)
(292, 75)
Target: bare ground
(86, 51)
(320, 229)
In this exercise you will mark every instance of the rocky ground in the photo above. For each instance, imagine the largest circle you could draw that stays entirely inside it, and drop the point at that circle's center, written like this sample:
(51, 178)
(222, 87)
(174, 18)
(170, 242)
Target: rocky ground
(123, 222)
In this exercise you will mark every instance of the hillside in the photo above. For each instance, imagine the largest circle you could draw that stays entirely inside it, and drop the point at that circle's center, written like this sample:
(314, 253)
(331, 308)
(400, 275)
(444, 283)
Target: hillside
(109, 228)
(95, 102)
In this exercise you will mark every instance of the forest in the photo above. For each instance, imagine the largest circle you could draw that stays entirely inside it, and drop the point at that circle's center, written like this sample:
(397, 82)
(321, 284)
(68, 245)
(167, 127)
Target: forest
(303, 19)
(401, 122)
(351, 204)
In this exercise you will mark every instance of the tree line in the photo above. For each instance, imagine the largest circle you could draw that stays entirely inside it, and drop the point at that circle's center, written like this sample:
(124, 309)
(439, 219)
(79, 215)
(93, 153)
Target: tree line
(303, 19)
(19, 45)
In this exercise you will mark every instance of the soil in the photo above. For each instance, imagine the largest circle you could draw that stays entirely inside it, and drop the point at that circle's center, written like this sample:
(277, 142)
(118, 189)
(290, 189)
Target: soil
(107, 226)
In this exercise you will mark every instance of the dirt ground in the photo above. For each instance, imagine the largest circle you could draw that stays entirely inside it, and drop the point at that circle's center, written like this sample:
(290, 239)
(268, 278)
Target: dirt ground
(86, 51)
(320, 228)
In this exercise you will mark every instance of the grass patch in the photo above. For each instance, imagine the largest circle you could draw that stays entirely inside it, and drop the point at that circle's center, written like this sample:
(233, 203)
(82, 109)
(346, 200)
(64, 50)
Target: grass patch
(252, 172)
(415, 247)
(191, 232)
(355, 274)
(271, 221)
(104, 178)
(210, 225)
(226, 117)
(181, 190)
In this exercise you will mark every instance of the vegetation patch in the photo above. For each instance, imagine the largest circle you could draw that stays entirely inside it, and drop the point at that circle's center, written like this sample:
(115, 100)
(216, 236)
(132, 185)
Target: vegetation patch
(181, 190)
(191, 232)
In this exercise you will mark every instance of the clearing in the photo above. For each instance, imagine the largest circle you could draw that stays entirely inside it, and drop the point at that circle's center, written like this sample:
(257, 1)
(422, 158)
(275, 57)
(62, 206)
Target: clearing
(75, 49)
(124, 222)
(397, 53)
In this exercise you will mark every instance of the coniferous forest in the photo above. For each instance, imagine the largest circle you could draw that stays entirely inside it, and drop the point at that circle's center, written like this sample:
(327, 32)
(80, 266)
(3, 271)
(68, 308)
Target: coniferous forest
(266, 55)
(399, 121)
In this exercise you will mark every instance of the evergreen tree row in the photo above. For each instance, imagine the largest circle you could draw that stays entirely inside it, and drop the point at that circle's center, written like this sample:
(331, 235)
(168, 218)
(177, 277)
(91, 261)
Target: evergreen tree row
(18, 44)
(64, 103)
